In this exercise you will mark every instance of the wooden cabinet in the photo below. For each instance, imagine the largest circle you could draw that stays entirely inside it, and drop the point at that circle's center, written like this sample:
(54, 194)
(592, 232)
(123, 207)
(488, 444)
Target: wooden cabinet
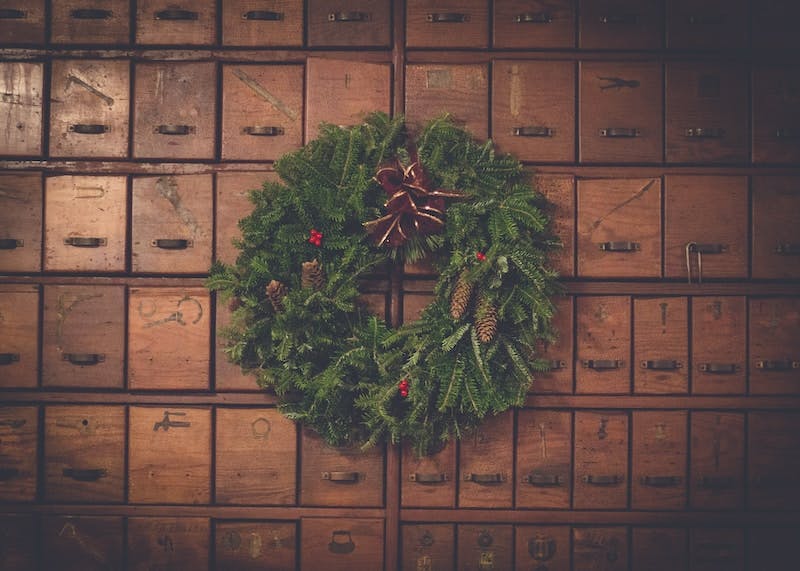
(660, 345)
(659, 548)
(486, 464)
(181, 22)
(447, 24)
(18, 542)
(255, 545)
(523, 24)
(707, 24)
(19, 428)
(542, 547)
(776, 234)
(22, 22)
(20, 222)
(341, 544)
(719, 337)
(427, 547)
(21, 85)
(621, 24)
(600, 548)
(260, 23)
(776, 117)
(773, 460)
(716, 549)
(485, 547)
(659, 463)
(558, 353)
(349, 23)
(90, 22)
(559, 191)
(543, 459)
(82, 543)
(169, 543)
(429, 481)
(602, 350)
(716, 476)
(774, 351)
(19, 336)
(601, 460)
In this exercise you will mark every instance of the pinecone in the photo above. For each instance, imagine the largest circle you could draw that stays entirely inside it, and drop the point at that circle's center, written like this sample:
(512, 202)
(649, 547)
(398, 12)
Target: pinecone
(276, 291)
(462, 292)
(234, 304)
(313, 275)
(485, 320)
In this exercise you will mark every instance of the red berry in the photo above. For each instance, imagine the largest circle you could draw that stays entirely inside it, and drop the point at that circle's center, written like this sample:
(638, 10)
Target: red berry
(403, 393)
(480, 256)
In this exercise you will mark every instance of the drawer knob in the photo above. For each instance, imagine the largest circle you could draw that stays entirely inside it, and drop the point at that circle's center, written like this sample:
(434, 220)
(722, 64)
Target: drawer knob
(544, 480)
(85, 475)
(787, 249)
(174, 129)
(343, 477)
(787, 133)
(620, 133)
(719, 368)
(263, 16)
(704, 133)
(784, 365)
(534, 18)
(8, 358)
(89, 129)
(7, 474)
(661, 365)
(447, 18)
(427, 478)
(82, 242)
(90, 14)
(620, 246)
(602, 364)
(603, 480)
(341, 542)
(661, 481)
(176, 14)
(484, 478)
(262, 131)
(84, 359)
(12, 14)
(696, 248)
(533, 131)
(171, 243)
(626, 19)
(349, 17)
(11, 243)
(716, 482)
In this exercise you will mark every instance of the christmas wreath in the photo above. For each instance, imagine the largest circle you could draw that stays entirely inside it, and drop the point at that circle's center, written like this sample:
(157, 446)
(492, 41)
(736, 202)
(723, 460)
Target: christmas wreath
(351, 203)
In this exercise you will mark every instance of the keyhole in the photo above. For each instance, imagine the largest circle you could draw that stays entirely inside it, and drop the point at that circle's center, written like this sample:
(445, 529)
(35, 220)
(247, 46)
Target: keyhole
(85, 422)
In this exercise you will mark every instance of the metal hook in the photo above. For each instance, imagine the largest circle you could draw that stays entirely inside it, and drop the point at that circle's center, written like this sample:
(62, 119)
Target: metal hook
(689, 247)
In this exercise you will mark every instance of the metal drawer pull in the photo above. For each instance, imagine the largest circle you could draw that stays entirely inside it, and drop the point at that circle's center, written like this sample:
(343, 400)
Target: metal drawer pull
(542, 549)
(533, 131)
(172, 243)
(620, 246)
(84, 359)
(89, 129)
(341, 542)
(604, 480)
(555, 365)
(263, 131)
(263, 16)
(602, 364)
(628, 19)
(787, 249)
(704, 133)
(8, 358)
(349, 17)
(717, 482)
(785, 365)
(7, 474)
(176, 14)
(534, 18)
(11, 243)
(696, 248)
(706, 20)
(427, 478)
(448, 18)
(14, 422)
(544, 480)
(620, 133)
(661, 365)
(347, 477)
(81, 242)
(484, 478)
(174, 129)
(12, 14)
(90, 14)
(787, 133)
(661, 481)
(719, 368)
(88, 475)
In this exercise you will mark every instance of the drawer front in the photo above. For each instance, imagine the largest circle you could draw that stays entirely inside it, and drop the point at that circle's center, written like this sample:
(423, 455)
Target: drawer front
(168, 543)
(486, 464)
(90, 22)
(23, 22)
(19, 336)
(558, 353)
(427, 547)
(169, 22)
(174, 110)
(349, 23)
(540, 547)
(619, 228)
(262, 111)
(661, 345)
(483, 547)
(620, 109)
(229, 376)
(537, 24)
(773, 460)
(259, 23)
(544, 459)
(706, 113)
(255, 545)
(168, 339)
(18, 542)
(717, 549)
(600, 548)
(20, 222)
(774, 24)
(453, 23)
(560, 194)
(344, 92)
(776, 234)
(169, 455)
(771, 547)
(774, 351)
(19, 428)
(21, 106)
(89, 108)
(172, 223)
(660, 549)
(341, 544)
(621, 24)
(232, 205)
(531, 118)
(602, 360)
(85, 220)
(340, 476)
(601, 460)
(659, 460)
(707, 24)
(84, 453)
(717, 453)
(82, 543)
(776, 115)
(429, 481)
(256, 457)
(706, 215)
(719, 337)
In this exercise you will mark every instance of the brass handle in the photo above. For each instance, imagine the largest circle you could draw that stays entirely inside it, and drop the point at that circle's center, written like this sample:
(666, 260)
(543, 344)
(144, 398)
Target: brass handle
(602, 364)
(89, 129)
(719, 368)
(81, 242)
(447, 18)
(627, 19)
(85, 475)
(603, 480)
(533, 131)
(544, 480)
(620, 133)
(8, 358)
(176, 14)
(263, 16)
(787, 249)
(620, 246)
(14, 422)
(484, 478)
(787, 133)
(784, 365)
(717, 482)
(174, 129)
(534, 18)
(84, 359)
(661, 481)
(555, 365)
(12, 14)
(11, 243)
(7, 474)
(427, 478)
(263, 131)
(90, 14)
(348, 17)
(696, 248)
(345, 477)
(341, 542)
(172, 243)
(661, 365)
(704, 133)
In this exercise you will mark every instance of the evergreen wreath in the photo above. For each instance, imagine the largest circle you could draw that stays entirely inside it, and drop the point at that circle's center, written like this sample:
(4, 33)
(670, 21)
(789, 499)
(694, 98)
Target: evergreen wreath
(299, 326)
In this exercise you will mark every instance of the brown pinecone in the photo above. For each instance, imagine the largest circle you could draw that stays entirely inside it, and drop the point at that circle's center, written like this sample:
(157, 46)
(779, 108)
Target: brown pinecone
(485, 320)
(234, 304)
(313, 275)
(276, 291)
(462, 292)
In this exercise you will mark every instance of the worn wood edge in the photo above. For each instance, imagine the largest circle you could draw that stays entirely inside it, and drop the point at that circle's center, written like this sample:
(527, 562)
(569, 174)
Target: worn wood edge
(212, 511)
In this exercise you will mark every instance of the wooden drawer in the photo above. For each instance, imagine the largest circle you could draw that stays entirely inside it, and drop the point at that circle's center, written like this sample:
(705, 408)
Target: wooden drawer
(453, 23)
(90, 22)
(659, 549)
(172, 223)
(603, 345)
(774, 351)
(708, 216)
(659, 468)
(414, 304)
(343, 92)
(262, 23)
(558, 353)
(19, 336)
(776, 114)
(601, 460)
(771, 548)
(262, 111)
(485, 547)
(619, 228)
(340, 476)
(717, 453)
(776, 234)
(621, 24)
(349, 23)
(89, 108)
(600, 548)
(719, 337)
(19, 428)
(21, 106)
(542, 548)
(459, 90)
(18, 542)
(621, 112)
(174, 110)
(486, 464)
(82, 543)
(775, 24)
(429, 481)
(229, 376)
(169, 455)
(341, 544)
(22, 22)
(707, 117)
(560, 193)
(168, 339)
(20, 222)
(168, 543)
(544, 459)
(661, 345)
(531, 118)
(773, 460)
(85, 223)
(84, 453)
(520, 24)
(708, 24)
(427, 546)
(84, 336)
(180, 22)
(716, 549)
(256, 457)
(255, 545)
(233, 204)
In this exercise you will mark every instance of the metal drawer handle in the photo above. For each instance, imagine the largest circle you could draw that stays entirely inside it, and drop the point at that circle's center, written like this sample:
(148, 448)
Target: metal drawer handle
(349, 17)
(263, 16)
(89, 129)
(14, 422)
(717, 482)
(627, 19)
(90, 14)
(603, 480)
(785, 365)
(341, 542)
(484, 478)
(11, 243)
(7, 474)
(174, 129)
(86, 475)
(787, 133)
(81, 242)
(534, 18)
(346, 477)
(556, 365)
(544, 480)
(427, 478)
(176, 14)
(696, 248)
(542, 549)
(719, 368)
(12, 14)
(661, 481)
(263, 131)
(533, 131)
(171, 243)
(706, 20)
(704, 133)
(776, 481)
(8, 358)
(602, 364)
(447, 18)
(620, 246)
(661, 365)
(620, 133)
(787, 249)
(84, 359)
(166, 423)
